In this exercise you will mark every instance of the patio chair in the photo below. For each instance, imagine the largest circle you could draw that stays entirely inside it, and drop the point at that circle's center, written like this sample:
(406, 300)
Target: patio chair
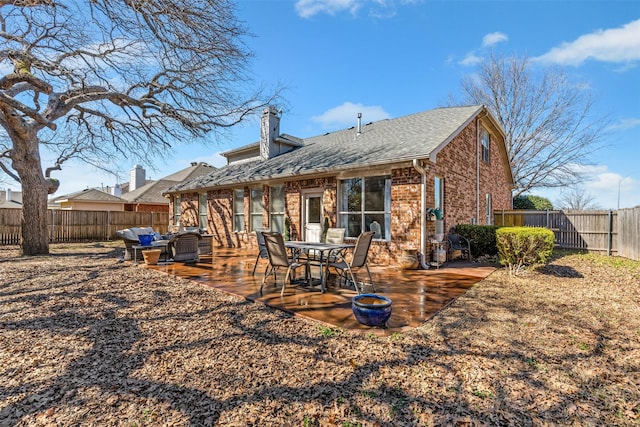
(130, 238)
(184, 246)
(358, 260)
(262, 249)
(335, 236)
(458, 243)
(278, 257)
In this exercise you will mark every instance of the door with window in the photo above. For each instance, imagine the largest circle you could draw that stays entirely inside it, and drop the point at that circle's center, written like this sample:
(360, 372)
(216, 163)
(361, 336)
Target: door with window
(312, 216)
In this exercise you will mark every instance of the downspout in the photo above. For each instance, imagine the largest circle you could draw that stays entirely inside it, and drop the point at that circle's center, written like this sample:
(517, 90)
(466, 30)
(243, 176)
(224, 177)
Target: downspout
(478, 170)
(423, 214)
(478, 159)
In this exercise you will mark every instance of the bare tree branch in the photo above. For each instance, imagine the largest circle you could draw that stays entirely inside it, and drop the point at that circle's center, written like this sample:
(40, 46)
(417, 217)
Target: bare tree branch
(92, 80)
(547, 120)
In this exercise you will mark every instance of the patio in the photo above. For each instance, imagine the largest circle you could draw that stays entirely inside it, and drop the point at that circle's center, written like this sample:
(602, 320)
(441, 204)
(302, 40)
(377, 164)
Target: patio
(417, 295)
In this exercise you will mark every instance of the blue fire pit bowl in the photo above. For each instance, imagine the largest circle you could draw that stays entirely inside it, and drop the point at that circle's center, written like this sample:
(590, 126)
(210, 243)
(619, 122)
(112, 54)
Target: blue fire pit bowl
(371, 309)
(145, 239)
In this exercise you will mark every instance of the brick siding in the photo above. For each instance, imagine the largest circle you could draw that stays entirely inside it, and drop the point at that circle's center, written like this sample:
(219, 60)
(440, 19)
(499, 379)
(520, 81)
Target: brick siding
(457, 164)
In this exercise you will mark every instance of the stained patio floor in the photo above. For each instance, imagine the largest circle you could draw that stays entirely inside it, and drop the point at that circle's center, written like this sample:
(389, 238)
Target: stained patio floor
(416, 294)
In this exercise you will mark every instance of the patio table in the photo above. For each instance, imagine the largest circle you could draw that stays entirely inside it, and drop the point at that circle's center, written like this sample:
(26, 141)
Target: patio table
(156, 244)
(324, 249)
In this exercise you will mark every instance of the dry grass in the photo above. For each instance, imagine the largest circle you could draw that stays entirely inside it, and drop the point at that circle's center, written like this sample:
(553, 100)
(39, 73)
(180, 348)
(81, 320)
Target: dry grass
(86, 340)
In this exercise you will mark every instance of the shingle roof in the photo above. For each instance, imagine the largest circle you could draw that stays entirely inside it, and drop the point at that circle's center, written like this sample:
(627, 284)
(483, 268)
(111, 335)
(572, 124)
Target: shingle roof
(383, 142)
(89, 194)
(150, 192)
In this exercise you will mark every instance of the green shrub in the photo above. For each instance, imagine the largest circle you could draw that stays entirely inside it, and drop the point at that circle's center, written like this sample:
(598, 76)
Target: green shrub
(482, 238)
(529, 202)
(520, 248)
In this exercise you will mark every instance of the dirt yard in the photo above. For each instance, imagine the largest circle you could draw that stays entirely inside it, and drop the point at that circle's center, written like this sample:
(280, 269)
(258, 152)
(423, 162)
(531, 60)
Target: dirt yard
(88, 340)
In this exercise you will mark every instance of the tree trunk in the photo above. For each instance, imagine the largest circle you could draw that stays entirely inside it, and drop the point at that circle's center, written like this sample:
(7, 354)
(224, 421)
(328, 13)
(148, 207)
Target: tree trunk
(34, 239)
(35, 232)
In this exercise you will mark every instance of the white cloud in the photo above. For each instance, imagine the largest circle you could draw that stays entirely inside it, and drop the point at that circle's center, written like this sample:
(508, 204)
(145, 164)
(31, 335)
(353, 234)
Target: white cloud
(470, 59)
(609, 190)
(309, 8)
(377, 9)
(494, 38)
(490, 39)
(626, 124)
(347, 115)
(617, 45)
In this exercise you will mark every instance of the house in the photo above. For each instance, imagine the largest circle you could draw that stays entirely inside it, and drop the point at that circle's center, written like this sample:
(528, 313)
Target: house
(90, 199)
(10, 199)
(138, 195)
(383, 176)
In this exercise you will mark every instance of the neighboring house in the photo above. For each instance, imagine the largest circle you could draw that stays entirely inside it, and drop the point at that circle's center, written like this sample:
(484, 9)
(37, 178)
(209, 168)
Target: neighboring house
(10, 199)
(382, 176)
(90, 199)
(149, 197)
(144, 196)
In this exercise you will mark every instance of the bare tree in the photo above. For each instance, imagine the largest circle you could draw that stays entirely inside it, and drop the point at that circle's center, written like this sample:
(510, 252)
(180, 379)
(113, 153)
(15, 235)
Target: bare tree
(547, 120)
(104, 78)
(576, 199)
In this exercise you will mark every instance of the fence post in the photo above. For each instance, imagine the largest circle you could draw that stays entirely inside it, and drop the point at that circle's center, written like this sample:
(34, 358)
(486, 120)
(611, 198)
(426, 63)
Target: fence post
(610, 233)
(503, 217)
(547, 219)
(53, 225)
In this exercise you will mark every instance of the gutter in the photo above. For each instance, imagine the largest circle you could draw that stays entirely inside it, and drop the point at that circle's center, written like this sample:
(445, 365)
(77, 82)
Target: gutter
(423, 214)
(480, 116)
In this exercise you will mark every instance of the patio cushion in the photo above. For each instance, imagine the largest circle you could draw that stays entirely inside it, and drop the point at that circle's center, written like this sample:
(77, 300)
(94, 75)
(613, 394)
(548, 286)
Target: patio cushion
(128, 234)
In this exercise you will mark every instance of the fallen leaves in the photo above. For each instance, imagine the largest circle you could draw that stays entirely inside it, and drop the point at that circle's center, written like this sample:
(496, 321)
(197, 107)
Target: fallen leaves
(111, 344)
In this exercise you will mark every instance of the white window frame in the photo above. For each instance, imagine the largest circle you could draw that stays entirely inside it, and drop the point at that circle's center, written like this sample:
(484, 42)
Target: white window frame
(273, 215)
(254, 214)
(486, 145)
(202, 210)
(238, 214)
(177, 201)
(438, 193)
(342, 213)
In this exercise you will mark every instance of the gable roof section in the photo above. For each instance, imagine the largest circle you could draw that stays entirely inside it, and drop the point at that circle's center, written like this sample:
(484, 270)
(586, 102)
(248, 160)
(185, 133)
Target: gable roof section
(419, 135)
(13, 201)
(88, 195)
(151, 192)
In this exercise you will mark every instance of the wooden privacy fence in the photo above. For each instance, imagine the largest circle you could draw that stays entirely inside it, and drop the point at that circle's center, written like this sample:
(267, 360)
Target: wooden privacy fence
(79, 226)
(613, 232)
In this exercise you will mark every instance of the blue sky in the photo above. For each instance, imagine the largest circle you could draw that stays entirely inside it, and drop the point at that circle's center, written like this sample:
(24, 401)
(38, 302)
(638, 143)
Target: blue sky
(389, 58)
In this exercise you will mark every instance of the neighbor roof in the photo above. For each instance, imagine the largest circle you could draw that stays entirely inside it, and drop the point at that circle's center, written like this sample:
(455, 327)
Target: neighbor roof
(89, 195)
(419, 135)
(14, 202)
(152, 191)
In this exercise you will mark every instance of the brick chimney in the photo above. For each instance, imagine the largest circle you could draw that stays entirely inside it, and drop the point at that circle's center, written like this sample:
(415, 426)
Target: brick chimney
(269, 130)
(137, 177)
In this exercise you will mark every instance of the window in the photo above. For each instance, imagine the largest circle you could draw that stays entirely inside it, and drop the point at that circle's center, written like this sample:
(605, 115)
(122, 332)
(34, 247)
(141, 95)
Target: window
(486, 147)
(438, 195)
(238, 210)
(256, 208)
(365, 204)
(176, 210)
(202, 209)
(276, 209)
(489, 212)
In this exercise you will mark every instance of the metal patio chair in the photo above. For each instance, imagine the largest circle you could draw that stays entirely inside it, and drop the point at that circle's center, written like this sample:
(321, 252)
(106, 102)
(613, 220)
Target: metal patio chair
(345, 268)
(262, 249)
(279, 257)
(459, 243)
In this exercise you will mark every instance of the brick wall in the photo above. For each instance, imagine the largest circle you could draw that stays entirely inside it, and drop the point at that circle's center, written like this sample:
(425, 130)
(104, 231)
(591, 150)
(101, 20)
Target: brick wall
(189, 210)
(456, 164)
